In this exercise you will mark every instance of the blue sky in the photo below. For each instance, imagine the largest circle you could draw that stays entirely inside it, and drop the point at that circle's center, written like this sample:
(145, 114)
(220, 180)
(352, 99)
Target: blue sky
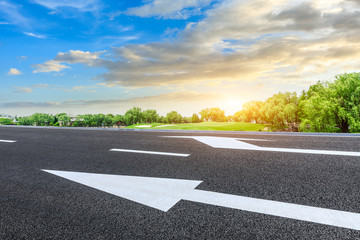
(91, 56)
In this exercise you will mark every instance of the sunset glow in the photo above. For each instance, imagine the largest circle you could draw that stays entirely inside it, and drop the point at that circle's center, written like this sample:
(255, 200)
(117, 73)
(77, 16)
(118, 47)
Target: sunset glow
(107, 56)
(232, 105)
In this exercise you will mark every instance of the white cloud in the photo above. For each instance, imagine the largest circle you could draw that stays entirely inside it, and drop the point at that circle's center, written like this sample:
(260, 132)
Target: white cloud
(72, 57)
(35, 35)
(47, 86)
(41, 85)
(245, 41)
(22, 58)
(241, 40)
(23, 90)
(89, 89)
(11, 13)
(14, 71)
(179, 100)
(81, 5)
(49, 66)
(168, 9)
(77, 56)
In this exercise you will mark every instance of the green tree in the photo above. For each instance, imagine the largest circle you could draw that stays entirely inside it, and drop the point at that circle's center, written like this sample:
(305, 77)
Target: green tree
(195, 118)
(345, 93)
(150, 116)
(332, 106)
(161, 119)
(86, 120)
(239, 116)
(217, 115)
(315, 109)
(62, 117)
(213, 114)
(186, 120)
(133, 116)
(26, 120)
(251, 112)
(280, 109)
(205, 115)
(108, 119)
(118, 120)
(42, 119)
(173, 117)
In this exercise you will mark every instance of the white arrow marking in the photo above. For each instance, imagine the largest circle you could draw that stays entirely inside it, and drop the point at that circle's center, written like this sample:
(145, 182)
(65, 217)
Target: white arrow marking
(159, 193)
(150, 152)
(233, 143)
(164, 193)
(8, 141)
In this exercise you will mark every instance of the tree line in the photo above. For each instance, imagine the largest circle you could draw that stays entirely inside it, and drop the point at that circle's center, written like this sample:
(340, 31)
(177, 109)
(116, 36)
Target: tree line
(329, 106)
(132, 116)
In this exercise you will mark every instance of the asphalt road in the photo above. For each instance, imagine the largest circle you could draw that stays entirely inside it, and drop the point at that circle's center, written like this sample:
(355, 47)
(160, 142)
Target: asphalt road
(37, 205)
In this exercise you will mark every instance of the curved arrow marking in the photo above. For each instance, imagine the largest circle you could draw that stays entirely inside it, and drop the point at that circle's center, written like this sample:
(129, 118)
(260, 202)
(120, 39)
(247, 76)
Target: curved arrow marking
(164, 193)
(234, 143)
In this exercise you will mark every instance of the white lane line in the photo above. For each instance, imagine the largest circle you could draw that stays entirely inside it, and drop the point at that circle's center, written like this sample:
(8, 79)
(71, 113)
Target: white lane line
(8, 141)
(150, 152)
(325, 216)
(165, 193)
(222, 138)
(233, 143)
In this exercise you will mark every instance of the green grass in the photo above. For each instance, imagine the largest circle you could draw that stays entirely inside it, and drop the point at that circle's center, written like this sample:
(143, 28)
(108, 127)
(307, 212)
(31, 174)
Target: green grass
(216, 126)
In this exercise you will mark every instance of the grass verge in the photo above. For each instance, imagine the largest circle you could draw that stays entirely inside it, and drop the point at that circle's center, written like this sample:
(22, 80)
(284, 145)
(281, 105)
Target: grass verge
(214, 126)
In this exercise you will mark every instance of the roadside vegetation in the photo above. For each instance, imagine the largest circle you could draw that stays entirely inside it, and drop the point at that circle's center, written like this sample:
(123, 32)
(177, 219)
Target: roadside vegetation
(330, 106)
(216, 126)
(6, 120)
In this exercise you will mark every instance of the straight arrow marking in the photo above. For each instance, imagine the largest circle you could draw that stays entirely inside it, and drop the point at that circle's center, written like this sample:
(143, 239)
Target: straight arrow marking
(164, 193)
(159, 193)
(234, 143)
(280, 209)
(150, 152)
(8, 141)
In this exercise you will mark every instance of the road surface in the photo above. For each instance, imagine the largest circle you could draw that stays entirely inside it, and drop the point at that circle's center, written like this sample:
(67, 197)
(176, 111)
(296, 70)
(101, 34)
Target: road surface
(35, 203)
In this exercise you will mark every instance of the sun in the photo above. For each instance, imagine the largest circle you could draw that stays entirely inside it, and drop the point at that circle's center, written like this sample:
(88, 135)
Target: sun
(232, 104)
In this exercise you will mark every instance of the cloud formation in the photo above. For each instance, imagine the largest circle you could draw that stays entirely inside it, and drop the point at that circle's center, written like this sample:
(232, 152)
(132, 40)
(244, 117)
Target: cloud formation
(190, 96)
(77, 56)
(14, 71)
(168, 9)
(81, 5)
(29, 104)
(31, 88)
(177, 100)
(49, 66)
(41, 85)
(72, 57)
(237, 40)
(23, 90)
(35, 35)
(11, 13)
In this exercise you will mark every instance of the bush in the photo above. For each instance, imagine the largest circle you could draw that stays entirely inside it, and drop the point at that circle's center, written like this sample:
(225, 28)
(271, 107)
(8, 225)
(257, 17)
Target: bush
(5, 121)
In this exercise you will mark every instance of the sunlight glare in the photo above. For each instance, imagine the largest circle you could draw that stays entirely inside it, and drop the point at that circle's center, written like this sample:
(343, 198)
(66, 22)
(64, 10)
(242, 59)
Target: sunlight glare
(232, 105)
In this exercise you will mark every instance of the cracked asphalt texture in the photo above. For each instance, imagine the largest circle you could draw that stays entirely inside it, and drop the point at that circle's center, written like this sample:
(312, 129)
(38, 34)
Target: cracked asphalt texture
(37, 205)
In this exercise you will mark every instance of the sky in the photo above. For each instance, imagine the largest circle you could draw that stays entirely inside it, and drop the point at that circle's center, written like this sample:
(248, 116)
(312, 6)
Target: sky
(92, 56)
